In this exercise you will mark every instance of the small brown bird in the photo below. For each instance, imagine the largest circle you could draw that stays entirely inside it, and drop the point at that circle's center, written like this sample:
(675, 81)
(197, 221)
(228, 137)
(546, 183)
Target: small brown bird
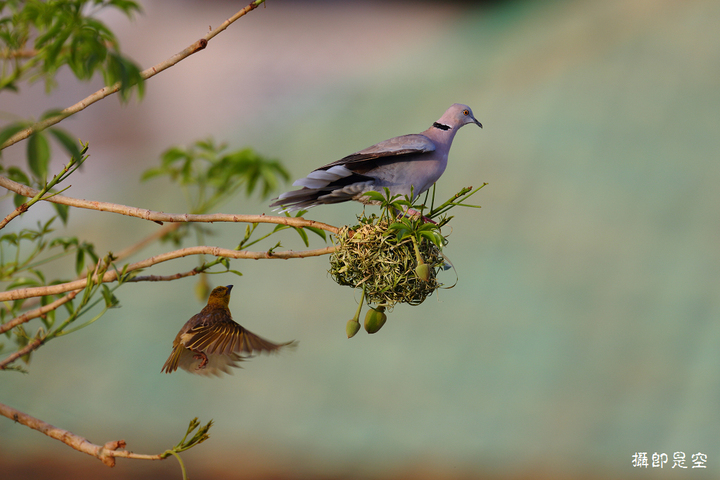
(208, 342)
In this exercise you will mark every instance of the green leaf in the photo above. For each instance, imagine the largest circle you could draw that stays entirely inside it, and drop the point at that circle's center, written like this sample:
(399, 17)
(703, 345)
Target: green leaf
(172, 155)
(90, 251)
(11, 130)
(123, 70)
(152, 172)
(433, 237)
(23, 282)
(376, 196)
(49, 318)
(18, 200)
(62, 211)
(53, 112)
(70, 145)
(38, 274)
(79, 261)
(303, 235)
(10, 238)
(17, 175)
(128, 7)
(318, 231)
(38, 153)
(111, 300)
(64, 242)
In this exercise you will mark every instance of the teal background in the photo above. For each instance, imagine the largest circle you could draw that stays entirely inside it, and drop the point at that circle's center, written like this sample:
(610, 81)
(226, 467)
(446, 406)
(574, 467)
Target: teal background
(584, 326)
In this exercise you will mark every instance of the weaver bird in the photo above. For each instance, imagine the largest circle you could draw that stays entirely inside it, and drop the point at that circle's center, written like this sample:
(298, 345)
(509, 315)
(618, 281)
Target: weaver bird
(211, 341)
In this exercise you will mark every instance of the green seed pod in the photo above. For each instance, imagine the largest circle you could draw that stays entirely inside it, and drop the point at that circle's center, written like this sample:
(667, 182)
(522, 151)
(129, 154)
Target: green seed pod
(352, 327)
(375, 319)
(423, 271)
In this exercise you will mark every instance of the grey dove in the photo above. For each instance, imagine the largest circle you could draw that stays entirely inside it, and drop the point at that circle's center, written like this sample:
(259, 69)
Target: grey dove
(409, 162)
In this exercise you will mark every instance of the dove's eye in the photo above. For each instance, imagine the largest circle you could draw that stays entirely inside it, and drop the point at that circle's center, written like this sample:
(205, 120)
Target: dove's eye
(466, 113)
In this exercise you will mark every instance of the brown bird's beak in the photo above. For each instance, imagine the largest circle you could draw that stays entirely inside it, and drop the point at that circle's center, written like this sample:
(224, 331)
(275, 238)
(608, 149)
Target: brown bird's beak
(229, 287)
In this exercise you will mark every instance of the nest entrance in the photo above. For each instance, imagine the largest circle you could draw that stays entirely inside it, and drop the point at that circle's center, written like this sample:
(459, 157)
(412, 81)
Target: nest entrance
(369, 257)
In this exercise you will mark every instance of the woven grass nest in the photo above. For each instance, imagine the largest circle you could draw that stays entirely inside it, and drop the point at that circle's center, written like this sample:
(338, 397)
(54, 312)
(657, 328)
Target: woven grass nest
(371, 258)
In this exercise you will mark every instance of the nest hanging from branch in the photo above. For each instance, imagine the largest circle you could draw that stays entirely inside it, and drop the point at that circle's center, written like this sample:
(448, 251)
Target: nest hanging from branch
(370, 258)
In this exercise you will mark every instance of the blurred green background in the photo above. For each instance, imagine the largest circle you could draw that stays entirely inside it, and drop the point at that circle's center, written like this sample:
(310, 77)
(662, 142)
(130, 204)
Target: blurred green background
(584, 326)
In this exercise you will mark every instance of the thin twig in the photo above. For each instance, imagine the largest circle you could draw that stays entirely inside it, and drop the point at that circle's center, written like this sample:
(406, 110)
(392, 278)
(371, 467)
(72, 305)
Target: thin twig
(68, 169)
(157, 234)
(106, 453)
(145, 74)
(160, 217)
(112, 276)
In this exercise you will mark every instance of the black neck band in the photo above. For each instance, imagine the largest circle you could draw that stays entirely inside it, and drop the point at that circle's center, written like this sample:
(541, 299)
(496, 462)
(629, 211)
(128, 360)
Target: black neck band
(441, 126)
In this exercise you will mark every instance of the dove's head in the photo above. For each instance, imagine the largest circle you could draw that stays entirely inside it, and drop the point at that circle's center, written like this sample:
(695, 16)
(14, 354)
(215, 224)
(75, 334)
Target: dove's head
(458, 115)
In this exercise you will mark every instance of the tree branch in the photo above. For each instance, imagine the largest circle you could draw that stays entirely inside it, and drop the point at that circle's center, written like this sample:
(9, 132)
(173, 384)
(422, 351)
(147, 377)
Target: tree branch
(160, 217)
(7, 54)
(145, 74)
(112, 276)
(17, 212)
(156, 235)
(106, 453)
(31, 346)
(68, 169)
(30, 314)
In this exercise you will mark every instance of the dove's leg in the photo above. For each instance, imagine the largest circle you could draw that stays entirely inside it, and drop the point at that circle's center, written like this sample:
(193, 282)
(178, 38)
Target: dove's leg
(412, 213)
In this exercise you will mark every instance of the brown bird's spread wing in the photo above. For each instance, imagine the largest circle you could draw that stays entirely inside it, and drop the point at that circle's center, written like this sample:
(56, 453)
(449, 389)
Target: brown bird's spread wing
(225, 338)
(171, 364)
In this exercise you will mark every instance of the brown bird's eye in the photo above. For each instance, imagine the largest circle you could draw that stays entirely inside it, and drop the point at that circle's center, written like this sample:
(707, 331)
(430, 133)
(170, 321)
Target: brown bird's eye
(466, 113)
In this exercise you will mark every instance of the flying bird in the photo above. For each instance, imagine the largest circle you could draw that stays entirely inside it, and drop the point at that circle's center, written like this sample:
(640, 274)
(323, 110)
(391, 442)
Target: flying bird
(211, 341)
(405, 164)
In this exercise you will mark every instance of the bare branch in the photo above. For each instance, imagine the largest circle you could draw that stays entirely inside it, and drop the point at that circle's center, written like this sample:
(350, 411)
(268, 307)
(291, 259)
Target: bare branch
(32, 345)
(30, 314)
(7, 54)
(145, 74)
(18, 211)
(106, 453)
(112, 276)
(160, 217)
(165, 278)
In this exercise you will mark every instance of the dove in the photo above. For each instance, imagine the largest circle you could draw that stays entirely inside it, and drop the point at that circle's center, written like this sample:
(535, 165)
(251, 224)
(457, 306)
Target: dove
(406, 165)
